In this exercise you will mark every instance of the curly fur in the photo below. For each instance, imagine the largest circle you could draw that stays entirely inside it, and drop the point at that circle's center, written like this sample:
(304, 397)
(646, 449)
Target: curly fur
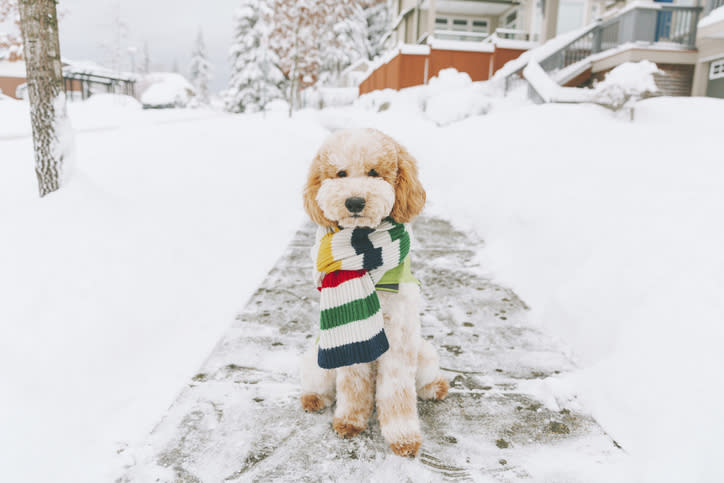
(410, 368)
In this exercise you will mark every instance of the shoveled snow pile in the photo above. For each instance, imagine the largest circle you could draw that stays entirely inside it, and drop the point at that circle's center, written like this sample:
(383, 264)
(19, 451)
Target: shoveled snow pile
(453, 96)
(627, 82)
(448, 97)
(167, 89)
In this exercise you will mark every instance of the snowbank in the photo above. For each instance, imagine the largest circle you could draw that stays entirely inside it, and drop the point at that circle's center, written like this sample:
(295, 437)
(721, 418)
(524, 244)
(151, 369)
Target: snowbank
(167, 89)
(116, 288)
(449, 97)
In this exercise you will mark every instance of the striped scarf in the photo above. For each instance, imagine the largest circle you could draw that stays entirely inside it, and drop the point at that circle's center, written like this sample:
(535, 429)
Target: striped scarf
(349, 263)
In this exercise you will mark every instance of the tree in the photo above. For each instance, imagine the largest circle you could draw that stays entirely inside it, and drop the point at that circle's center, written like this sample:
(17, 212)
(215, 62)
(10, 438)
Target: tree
(378, 18)
(52, 135)
(10, 42)
(255, 78)
(344, 43)
(200, 69)
(300, 31)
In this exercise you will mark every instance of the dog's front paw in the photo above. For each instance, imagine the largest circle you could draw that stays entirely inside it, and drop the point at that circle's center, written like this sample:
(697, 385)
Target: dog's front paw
(436, 390)
(312, 402)
(347, 428)
(408, 446)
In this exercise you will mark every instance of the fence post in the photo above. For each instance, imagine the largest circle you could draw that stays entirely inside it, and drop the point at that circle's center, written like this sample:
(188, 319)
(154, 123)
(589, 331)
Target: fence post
(693, 22)
(596, 41)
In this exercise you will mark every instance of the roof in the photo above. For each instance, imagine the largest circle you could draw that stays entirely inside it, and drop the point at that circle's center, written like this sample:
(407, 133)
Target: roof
(70, 67)
(12, 69)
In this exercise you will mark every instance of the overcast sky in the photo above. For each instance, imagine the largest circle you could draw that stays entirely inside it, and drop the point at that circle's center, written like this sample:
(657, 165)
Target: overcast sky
(169, 27)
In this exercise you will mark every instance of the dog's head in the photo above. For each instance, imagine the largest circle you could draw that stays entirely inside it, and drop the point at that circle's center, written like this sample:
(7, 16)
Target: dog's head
(359, 177)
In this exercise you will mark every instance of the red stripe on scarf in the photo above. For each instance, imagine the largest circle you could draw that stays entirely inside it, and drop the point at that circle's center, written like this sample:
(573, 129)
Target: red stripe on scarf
(340, 276)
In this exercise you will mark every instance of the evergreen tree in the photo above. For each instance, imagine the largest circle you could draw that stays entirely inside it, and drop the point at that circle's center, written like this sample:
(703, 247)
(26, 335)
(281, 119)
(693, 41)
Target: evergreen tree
(255, 78)
(346, 42)
(378, 24)
(200, 69)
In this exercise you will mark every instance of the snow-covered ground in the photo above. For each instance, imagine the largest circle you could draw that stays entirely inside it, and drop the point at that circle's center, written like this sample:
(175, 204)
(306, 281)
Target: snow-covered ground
(115, 289)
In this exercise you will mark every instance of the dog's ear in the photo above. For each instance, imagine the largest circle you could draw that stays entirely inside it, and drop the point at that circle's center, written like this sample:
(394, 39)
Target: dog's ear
(314, 181)
(409, 193)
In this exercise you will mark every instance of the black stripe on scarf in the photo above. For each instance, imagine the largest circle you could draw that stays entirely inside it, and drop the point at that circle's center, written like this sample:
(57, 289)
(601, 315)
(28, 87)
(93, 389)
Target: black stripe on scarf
(371, 256)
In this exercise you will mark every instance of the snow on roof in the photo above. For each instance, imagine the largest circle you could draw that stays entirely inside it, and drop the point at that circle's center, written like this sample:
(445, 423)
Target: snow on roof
(12, 69)
(91, 68)
(414, 49)
(461, 45)
(716, 15)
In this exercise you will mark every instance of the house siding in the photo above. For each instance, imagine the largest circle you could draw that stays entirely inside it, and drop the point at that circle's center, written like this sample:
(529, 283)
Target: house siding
(8, 85)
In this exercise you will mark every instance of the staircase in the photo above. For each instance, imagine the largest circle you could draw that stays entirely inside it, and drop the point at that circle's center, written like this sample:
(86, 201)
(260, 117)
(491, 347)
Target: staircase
(651, 26)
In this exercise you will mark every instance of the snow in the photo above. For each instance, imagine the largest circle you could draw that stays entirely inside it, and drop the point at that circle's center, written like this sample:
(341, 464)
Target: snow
(461, 45)
(606, 229)
(716, 15)
(414, 49)
(116, 288)
(167, 89)
(448, 97)
(630, 80)
(12, 69)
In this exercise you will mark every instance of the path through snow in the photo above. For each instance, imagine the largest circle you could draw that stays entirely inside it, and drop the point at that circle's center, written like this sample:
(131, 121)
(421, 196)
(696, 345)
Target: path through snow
(239, 418)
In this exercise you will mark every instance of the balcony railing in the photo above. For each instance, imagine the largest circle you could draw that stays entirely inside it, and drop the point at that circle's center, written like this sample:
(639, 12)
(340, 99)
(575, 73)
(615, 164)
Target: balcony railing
(460, 35)
(711, 5)
(657, 23)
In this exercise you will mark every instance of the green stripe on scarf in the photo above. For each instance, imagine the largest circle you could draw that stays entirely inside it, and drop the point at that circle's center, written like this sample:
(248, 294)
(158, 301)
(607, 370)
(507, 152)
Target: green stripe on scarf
(355, 310)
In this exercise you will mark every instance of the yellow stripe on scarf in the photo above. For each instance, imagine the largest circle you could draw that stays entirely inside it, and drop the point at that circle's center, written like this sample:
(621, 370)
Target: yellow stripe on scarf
(325, 261)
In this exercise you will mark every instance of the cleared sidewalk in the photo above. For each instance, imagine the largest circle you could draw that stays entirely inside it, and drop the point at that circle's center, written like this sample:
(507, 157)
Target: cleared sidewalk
(239, 418)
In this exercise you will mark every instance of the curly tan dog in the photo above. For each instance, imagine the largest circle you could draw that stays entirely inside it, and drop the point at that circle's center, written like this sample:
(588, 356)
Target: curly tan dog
(359, 178)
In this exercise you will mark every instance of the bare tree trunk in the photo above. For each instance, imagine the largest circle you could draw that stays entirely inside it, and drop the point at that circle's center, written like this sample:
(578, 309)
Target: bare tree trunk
(39, 22)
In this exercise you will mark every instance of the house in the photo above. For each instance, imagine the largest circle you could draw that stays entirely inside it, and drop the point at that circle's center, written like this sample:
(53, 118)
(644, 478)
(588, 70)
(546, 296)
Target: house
(709, 69)
(12, 75)
(665, 33)
(477, 37)
(576, 42)
(81, 79)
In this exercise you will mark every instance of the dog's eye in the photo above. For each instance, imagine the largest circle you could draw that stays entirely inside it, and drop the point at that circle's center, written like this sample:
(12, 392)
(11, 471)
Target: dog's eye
(342, 174)
(373, 173)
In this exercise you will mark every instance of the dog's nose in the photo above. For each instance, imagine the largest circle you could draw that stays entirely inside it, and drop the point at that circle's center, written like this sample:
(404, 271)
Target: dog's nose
(355, 204)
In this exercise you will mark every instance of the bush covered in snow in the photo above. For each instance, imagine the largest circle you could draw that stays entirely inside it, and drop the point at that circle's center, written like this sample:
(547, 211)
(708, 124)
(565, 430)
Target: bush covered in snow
(626, 83)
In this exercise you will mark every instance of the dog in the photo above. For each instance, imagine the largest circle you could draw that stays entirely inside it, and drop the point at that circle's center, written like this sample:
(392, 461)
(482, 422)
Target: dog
(358, 178)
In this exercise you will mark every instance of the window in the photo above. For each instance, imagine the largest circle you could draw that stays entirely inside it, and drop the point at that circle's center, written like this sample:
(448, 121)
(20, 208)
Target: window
(716, 70)
(462, 25)
(510, 19)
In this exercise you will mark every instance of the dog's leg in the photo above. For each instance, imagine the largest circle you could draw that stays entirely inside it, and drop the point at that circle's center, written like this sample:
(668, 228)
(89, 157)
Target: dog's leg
(396, 394)
(431, 384)
(355, 399)
(317, 383)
